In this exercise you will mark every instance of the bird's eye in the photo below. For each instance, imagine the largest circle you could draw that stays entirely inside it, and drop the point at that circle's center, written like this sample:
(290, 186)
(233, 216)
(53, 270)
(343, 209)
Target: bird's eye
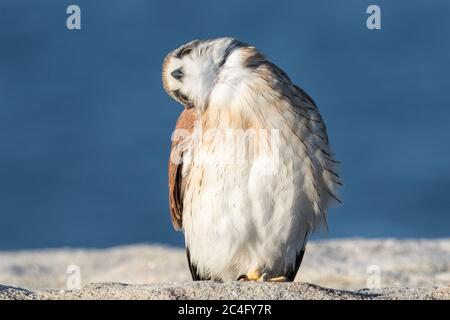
(184, 51)
(187, 49)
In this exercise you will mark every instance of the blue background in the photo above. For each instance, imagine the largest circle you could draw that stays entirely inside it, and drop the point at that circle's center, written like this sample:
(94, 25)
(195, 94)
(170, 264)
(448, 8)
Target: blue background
(85, 123)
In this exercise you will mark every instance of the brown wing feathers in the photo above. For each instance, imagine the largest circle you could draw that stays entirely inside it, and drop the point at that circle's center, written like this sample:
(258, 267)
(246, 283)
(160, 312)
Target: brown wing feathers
(185, 122)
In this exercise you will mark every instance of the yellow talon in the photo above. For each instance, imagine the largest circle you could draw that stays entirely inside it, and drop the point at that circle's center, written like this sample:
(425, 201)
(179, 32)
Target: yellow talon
(278, 279)
(254, 276)
(257, 276)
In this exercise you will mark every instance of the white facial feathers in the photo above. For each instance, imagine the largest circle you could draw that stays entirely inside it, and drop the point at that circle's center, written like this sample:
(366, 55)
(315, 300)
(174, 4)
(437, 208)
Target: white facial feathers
(203, 65)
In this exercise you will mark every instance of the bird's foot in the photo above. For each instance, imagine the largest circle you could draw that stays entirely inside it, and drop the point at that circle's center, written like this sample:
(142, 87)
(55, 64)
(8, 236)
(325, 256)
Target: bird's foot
(261, 277)
(254, 276)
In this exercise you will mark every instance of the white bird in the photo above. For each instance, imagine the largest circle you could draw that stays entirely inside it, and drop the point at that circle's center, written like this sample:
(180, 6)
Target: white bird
(251, 173)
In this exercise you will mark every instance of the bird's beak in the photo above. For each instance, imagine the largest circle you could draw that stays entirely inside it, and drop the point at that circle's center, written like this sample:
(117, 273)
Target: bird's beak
(178, 74)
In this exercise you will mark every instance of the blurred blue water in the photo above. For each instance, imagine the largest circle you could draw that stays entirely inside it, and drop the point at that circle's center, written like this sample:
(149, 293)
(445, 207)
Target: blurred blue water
(85, 124)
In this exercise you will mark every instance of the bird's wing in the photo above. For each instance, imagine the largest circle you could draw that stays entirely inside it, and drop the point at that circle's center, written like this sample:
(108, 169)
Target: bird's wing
(323, 165)
(183, 130)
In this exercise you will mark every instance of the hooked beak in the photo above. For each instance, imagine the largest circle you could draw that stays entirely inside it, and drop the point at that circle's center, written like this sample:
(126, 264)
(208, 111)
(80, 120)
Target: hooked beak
(178, 74)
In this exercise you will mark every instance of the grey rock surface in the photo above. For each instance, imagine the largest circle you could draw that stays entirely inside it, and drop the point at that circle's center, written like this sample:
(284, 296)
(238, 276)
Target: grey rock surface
(229, 291)
(404, 269)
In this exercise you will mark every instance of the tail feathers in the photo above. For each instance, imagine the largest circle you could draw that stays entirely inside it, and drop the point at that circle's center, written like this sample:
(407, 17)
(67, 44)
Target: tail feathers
(193, 268)
(298, 261)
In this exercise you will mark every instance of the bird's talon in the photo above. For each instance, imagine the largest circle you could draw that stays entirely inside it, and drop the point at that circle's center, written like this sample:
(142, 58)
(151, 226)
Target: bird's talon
(263, 277)
(254, 276)
(278, 279)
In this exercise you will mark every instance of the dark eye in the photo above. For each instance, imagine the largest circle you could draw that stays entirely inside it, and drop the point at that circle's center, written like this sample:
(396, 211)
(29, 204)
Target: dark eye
(184, 51)
(187, 49)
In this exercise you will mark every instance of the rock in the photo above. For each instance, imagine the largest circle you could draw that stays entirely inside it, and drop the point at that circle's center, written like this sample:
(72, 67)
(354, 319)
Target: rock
(229, 291)
(405, 269)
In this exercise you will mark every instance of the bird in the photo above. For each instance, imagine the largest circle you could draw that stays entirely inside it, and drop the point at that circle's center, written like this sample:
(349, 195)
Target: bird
(251, 171)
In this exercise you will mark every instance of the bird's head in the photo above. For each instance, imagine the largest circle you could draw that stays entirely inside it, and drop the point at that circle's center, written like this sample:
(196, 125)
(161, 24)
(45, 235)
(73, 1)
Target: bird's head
(191, 72)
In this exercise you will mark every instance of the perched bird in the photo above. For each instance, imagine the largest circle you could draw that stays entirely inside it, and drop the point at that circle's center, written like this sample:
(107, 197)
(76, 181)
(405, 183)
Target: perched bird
(251, 173)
